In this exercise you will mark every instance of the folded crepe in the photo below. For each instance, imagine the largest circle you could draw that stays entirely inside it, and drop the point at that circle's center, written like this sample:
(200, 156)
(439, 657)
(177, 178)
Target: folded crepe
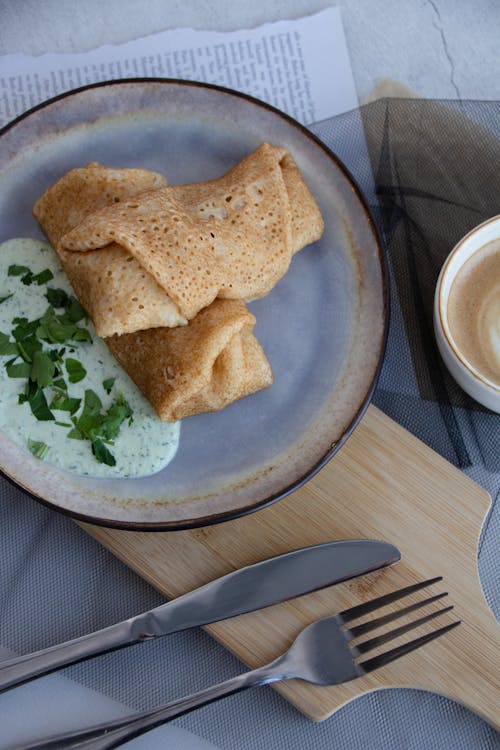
(201, 367)
(171, 250)
(184, 370)
(111, 284)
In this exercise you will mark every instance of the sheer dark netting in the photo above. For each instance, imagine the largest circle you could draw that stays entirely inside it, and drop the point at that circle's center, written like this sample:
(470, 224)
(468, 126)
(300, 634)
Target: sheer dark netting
(431, 172)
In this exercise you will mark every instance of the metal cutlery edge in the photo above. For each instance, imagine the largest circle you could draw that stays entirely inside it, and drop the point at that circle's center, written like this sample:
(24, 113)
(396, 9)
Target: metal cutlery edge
(246, 589)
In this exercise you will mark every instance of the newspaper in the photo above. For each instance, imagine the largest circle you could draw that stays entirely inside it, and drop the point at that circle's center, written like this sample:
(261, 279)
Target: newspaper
(301, 67)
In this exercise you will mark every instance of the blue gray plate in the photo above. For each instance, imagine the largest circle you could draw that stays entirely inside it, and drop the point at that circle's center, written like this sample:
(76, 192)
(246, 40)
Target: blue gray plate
(323, 327)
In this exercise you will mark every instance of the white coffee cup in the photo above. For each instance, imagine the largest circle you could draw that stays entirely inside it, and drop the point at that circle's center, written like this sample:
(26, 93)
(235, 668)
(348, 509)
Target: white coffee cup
(469, 340)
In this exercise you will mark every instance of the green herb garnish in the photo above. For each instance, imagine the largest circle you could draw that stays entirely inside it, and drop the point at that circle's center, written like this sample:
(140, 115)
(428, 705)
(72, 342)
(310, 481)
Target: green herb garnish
(54, 329)
(118, 413)
(15, 270)
(57, 297)
(63, 402)
(43, 276)
(6, 297)
(28, 346)
(19, 370)
(24, 328)
(102, 454)
(44, 366)
(42, 369)
(7, 347)
(99, 427)
(38, 448)
(28, 277)
(37, 401)
(86, 426)
(75, 369)
(108, 384)
(75, 311)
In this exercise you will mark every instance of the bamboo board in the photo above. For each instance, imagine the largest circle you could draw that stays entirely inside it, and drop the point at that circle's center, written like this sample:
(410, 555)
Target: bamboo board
(383, 484)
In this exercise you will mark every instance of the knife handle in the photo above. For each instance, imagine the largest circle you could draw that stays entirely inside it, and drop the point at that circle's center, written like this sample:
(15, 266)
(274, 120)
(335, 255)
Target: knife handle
(125, 633)
(24, 668)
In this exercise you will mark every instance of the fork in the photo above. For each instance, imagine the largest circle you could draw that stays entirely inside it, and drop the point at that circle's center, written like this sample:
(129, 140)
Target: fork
(323, 654)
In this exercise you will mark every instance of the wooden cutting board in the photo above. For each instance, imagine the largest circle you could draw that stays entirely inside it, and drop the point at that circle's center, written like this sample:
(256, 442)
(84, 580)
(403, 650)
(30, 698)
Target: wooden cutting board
(383, 484)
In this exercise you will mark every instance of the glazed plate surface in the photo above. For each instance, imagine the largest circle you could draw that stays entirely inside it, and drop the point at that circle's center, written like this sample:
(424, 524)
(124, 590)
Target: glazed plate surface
(323, 327)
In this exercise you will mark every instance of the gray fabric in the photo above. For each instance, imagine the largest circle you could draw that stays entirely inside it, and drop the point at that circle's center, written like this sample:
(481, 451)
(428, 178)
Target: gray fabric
(57, 583)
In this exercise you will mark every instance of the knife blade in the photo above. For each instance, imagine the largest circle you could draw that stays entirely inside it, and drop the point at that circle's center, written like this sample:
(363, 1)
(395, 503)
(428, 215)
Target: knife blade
(250, 588)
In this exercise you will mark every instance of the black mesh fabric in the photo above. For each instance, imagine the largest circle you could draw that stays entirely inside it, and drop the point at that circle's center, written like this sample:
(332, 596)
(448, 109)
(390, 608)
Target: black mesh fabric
(431, 173)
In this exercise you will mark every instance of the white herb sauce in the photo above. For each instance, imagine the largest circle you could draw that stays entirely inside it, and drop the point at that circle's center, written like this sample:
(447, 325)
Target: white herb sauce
(142, 448)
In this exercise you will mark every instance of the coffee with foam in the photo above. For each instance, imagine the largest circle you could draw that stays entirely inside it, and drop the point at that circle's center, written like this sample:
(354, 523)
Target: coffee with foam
(474, 311)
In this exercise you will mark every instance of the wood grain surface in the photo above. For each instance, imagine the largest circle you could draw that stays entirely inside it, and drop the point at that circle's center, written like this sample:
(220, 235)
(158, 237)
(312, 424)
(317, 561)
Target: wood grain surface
(383, 484)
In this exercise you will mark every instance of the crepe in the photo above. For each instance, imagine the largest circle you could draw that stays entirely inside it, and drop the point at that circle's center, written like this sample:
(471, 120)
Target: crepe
(258, 175)
(144, 258)
(201, 367)
(266, 213)
(185, 370)
(232, 237)
(111, 284)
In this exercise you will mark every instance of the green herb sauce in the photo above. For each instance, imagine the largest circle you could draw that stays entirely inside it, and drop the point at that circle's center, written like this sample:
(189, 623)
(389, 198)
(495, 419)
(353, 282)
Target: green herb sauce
(63, 396)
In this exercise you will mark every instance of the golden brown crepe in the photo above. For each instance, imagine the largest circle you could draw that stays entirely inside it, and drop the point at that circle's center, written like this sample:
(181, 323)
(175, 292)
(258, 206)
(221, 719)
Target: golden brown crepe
(232, 237)
(306, 219)
(111, 285)
(144, 258)
(201, 367)
(269, 212)
(185, 370)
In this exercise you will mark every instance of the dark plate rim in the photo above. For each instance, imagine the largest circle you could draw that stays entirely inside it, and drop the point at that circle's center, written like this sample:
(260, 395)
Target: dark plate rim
(216, 518)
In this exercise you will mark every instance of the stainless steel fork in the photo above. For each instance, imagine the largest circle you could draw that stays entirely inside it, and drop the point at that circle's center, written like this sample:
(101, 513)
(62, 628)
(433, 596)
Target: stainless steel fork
(323, 653)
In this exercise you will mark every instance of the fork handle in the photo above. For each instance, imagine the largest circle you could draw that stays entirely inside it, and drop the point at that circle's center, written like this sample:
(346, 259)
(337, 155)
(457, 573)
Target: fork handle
(114, 734)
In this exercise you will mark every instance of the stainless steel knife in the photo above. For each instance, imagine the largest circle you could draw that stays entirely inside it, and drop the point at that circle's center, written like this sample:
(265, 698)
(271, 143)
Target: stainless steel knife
(253, 587)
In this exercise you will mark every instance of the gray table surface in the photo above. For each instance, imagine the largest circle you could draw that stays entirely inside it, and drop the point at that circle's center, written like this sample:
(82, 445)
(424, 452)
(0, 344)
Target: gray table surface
(437, 48)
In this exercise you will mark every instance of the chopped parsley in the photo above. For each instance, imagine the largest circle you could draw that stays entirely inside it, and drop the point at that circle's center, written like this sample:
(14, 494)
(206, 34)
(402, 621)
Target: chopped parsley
(19, 370)
(6, 297)
(62, 402)
(56, 297)
(38, 448)
(37, 356)
(101, 453)
(76, 371)
(43, 277)
(18, 270)
(93, 422)
(7, 346)
(28, 277)
(35, 397)
(42, 368)
(108, 384)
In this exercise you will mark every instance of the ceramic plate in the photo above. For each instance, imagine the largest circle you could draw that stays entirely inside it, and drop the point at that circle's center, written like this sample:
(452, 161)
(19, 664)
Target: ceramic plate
(323, 327)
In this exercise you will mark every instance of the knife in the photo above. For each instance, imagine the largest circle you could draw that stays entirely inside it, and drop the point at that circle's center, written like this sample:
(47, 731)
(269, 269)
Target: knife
(245, 590)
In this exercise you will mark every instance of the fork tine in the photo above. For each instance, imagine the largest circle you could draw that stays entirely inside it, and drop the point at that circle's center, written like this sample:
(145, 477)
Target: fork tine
(381, 601)
(382, 659)
(365, 627)
(395, 632)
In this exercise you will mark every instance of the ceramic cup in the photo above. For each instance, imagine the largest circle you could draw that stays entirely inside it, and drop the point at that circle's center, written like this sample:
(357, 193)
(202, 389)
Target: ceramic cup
(460, 334)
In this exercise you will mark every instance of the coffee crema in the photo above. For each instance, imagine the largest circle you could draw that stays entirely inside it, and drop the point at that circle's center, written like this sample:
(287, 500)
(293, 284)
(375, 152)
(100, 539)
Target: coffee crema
(474, 311)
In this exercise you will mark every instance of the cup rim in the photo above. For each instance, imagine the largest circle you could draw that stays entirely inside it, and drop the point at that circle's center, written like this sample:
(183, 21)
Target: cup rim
(442, 306)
